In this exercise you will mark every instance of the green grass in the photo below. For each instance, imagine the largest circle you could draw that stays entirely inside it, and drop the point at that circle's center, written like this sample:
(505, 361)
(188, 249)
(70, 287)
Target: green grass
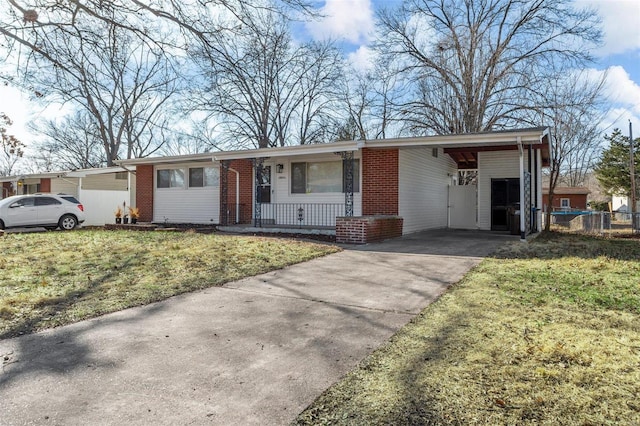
(55, 278)
(541, 333)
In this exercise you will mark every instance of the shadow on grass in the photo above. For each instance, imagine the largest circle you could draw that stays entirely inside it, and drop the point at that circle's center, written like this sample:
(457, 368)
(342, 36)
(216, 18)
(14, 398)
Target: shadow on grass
(378, 393)
(57, 352)
(558, 245)
(61, 304)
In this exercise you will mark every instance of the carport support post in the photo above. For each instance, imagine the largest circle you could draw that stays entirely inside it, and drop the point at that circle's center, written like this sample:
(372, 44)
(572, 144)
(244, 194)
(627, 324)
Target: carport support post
(257, 199)
(523, 230)
(347, 162)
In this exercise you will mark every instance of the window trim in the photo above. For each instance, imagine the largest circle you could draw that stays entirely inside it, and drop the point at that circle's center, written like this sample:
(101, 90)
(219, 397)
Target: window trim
(562, 200)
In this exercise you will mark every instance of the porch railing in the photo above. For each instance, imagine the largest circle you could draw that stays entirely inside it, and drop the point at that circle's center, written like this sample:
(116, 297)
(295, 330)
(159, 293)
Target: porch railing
(301, 214)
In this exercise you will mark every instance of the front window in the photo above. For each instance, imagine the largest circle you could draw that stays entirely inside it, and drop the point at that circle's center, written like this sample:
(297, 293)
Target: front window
(322, 177)
(200, 177)
(170, 178)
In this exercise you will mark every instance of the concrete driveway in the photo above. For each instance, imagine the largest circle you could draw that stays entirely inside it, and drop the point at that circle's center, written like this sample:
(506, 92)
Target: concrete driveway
(256, 351)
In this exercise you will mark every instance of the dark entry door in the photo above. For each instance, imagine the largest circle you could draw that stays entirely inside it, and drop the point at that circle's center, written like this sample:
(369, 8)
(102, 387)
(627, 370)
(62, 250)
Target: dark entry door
(505, 194)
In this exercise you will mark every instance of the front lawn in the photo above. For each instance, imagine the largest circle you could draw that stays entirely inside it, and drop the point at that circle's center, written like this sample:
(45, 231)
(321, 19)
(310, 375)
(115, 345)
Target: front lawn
(55, 278)
(542, 333)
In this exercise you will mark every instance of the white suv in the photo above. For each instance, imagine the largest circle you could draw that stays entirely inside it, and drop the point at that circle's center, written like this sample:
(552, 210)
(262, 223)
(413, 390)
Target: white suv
(41, 210)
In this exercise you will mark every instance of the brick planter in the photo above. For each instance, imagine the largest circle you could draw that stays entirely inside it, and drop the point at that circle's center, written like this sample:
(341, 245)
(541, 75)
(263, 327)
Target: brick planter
(367, 229)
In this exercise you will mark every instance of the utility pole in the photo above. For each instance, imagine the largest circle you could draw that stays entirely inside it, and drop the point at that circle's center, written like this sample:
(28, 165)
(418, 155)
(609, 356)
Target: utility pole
(633, 177)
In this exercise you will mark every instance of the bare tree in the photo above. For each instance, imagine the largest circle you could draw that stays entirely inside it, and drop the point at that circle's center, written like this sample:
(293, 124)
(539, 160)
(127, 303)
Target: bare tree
(476, 64)
(121, 83)
(572, 105)
(371, 97)
(70, 143)
(263, 90)
(12, 148)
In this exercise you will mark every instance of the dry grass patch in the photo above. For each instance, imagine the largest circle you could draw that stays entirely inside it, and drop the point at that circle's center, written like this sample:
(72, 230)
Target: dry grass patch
(55, 278)
(543, 333)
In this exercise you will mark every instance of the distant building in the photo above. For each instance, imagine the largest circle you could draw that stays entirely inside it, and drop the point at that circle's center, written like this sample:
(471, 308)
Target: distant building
(566, 198)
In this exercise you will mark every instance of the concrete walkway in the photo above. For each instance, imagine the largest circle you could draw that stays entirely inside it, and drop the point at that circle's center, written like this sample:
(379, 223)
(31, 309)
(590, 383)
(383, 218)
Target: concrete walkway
(256, 351)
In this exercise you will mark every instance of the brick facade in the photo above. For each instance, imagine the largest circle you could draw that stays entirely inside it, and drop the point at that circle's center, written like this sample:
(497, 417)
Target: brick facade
(245, 196)
(367, 229)
(45, 185)
(380, 181)
(144, 192)
(6, 190)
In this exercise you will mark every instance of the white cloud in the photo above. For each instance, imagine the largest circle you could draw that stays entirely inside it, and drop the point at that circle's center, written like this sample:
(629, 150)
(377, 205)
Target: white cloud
(623, 96)
(362, 59)
(351, 20)
(622, 89)
(16, 108)
(620, 23)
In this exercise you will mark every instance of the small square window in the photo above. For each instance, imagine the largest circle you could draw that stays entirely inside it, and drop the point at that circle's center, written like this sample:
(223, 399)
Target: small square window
(170, 178)
(122, 175)
(565, 203)
(203, 176)
(434, 152)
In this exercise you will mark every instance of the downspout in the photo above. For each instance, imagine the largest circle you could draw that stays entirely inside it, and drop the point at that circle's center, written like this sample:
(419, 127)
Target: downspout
(237, 194)
(523, 231)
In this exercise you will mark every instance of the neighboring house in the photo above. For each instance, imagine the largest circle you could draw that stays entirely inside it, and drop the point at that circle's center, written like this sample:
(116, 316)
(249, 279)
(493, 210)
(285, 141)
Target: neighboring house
(99, 190)
(566, 198)
(365, 190)
(622, 204)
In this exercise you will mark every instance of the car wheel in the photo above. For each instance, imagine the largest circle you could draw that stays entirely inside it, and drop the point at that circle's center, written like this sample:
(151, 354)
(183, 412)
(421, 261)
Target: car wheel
(68, 222)
(1, 224)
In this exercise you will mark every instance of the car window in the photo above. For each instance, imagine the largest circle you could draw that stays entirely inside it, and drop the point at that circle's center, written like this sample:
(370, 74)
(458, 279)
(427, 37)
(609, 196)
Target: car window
(23, 202)
(70, 198)
(47, 201)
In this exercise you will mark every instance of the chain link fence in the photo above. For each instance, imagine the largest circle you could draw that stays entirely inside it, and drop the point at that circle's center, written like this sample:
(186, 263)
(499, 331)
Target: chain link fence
(594, 222)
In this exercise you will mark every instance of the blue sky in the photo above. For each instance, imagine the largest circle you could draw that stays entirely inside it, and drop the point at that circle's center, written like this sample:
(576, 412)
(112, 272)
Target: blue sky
(352, 22)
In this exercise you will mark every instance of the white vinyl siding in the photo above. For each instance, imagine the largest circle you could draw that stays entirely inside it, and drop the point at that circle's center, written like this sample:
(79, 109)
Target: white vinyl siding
(106, 181)
(184, 204)
(423, 188)
(494, 165)
(65, 186)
